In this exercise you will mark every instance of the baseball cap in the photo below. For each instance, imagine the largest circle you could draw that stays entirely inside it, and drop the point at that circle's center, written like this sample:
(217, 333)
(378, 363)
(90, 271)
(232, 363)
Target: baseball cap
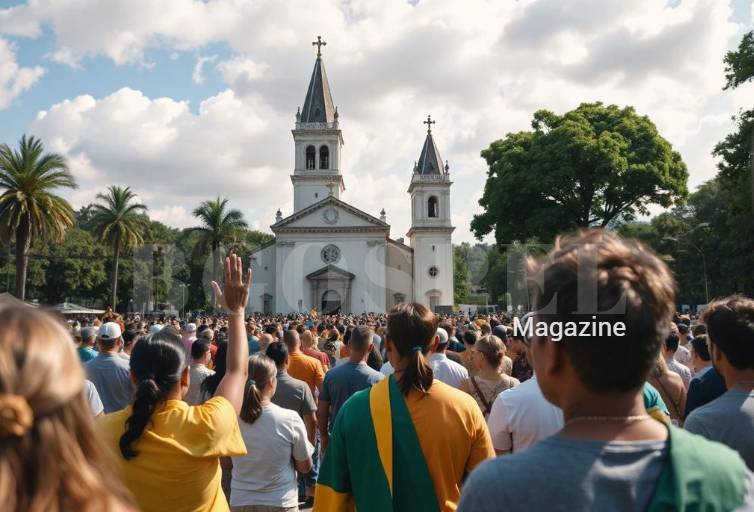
(191, 327)
(109, 331)
(443, 334)
(88, 332)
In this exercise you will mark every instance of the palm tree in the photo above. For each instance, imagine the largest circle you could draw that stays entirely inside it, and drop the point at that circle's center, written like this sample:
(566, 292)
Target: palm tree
(218, 225)
(119, 222)
(28, 208)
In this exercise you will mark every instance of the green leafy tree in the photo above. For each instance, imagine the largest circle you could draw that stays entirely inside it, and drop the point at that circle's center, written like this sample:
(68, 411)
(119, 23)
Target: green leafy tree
(593, 166)
(118, 221)
(29, 210)
(219, 225)
(461, 273)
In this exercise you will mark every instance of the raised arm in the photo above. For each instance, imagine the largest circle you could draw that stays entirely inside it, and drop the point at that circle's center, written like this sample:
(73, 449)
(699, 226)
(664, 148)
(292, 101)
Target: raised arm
(233, 299)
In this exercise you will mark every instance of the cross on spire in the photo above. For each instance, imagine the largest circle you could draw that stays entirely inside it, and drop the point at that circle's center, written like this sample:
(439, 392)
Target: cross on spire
(429, 123)
(319, 43)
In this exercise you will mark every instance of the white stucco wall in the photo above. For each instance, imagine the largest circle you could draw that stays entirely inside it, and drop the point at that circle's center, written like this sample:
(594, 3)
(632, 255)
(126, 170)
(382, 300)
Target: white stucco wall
(399, 273)
(298, 254)
(433, 249)
(263, 269)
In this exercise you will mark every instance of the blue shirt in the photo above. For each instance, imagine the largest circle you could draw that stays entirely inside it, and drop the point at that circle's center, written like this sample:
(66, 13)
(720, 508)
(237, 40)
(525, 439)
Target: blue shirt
(110, 374)
(343, 381)
(253, 345)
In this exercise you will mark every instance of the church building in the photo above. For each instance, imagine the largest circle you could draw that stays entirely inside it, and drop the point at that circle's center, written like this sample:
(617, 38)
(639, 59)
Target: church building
(331, 256)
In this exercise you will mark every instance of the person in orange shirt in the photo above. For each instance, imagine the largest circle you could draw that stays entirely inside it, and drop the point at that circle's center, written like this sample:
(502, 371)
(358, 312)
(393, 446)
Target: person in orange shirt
(301, 366)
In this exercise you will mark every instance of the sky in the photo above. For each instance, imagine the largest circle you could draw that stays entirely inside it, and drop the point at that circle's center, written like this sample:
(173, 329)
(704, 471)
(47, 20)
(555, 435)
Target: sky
(186, 100)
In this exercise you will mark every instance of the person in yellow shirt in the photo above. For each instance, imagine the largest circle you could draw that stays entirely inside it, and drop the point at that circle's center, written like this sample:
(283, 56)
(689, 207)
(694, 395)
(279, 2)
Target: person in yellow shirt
(169, 451)
(408, 442)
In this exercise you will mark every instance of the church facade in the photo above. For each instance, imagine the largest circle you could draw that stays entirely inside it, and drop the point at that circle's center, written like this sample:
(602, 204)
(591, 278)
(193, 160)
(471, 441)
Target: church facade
(331, 256)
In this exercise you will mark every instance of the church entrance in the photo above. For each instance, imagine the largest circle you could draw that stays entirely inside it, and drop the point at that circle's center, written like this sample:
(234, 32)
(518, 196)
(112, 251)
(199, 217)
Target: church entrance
(331, 303)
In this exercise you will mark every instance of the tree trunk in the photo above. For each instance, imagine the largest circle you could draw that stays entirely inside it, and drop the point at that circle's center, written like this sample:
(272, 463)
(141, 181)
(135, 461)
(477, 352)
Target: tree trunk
(215, 257)
(114, 275)
(23, 242)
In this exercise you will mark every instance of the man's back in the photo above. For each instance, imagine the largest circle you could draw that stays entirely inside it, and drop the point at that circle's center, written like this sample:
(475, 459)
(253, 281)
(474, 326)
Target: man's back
(565, 474)
(293, 394)
(307, 369)
(728, 419)
(343, 381)
(447, 371)
(704, 389)
(110, 374)
(521, 416)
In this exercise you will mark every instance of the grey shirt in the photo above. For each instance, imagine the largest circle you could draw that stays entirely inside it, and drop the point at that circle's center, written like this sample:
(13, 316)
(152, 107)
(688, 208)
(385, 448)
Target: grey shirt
(111, 375)
(343, 381)
(565, 474)
(293, 394)
(729, 419)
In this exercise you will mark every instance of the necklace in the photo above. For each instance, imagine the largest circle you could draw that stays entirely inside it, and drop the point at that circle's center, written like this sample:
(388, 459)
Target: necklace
(620, 419)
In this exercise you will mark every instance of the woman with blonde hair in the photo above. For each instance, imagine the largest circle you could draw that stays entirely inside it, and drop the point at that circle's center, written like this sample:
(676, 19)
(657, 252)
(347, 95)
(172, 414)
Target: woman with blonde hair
(489, 380)
(50, 457)
(670, 386)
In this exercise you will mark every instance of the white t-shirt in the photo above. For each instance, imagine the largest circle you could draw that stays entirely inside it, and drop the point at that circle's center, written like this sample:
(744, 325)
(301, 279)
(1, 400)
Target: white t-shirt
(447, 371)
(197, 374)
(92, 398)
(387, 369)
(521, 416)
(683, 356)
(266, 476)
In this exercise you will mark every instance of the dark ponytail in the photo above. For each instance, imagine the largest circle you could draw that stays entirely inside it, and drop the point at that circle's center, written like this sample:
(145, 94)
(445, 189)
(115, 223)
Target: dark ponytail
(261, 370)
(157, 363)
(411, 329)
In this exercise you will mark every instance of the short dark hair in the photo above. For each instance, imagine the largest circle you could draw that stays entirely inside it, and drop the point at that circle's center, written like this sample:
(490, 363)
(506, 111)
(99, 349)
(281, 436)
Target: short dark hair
(129, 336)
(624, 272)
(199, 348)
(271, 329)
(683, 328)
(700, 347)
(672, 341)
(730, 324)
(699, 329)
(469, 337)
(278, 352)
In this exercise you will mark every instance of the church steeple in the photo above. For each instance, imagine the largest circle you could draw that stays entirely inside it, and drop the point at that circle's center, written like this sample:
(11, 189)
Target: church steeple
(318, 104)
(429, 159)
(318, 140)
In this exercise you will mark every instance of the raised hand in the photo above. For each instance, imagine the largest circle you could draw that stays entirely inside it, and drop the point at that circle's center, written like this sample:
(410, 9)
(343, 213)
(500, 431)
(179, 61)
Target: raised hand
(235, 294)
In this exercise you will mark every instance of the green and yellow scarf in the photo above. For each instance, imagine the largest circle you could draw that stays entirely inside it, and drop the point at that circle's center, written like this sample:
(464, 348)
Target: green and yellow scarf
(374, 461)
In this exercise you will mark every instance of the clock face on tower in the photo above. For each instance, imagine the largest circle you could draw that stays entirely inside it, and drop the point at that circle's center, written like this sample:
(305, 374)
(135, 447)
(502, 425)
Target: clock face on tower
(330, 215)
(330, 254)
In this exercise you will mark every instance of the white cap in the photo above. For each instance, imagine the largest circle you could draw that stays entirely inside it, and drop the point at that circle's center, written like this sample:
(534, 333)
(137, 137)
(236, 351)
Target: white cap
(109, 331)
(155, 329)
(443, 335)
(191, 327)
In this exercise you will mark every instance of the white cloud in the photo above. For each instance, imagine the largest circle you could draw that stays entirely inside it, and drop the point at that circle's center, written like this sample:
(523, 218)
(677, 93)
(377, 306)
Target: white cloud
(14, 79)
(481, 68)
(198, 74)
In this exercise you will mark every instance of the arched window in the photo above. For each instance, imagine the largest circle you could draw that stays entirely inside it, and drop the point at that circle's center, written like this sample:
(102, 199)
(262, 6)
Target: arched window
(324, 157)
(311, 156)
(432, 207)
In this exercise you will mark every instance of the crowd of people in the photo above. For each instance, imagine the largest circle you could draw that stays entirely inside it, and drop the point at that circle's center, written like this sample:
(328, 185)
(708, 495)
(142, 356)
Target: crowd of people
(405, 410)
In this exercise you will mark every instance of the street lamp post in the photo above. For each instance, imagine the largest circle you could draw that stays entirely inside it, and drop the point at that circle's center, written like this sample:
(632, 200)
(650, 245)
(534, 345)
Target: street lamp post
(701, 253)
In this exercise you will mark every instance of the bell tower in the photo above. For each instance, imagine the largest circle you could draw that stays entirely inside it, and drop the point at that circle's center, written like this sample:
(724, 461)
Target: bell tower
(431, 228)
(317, 141)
